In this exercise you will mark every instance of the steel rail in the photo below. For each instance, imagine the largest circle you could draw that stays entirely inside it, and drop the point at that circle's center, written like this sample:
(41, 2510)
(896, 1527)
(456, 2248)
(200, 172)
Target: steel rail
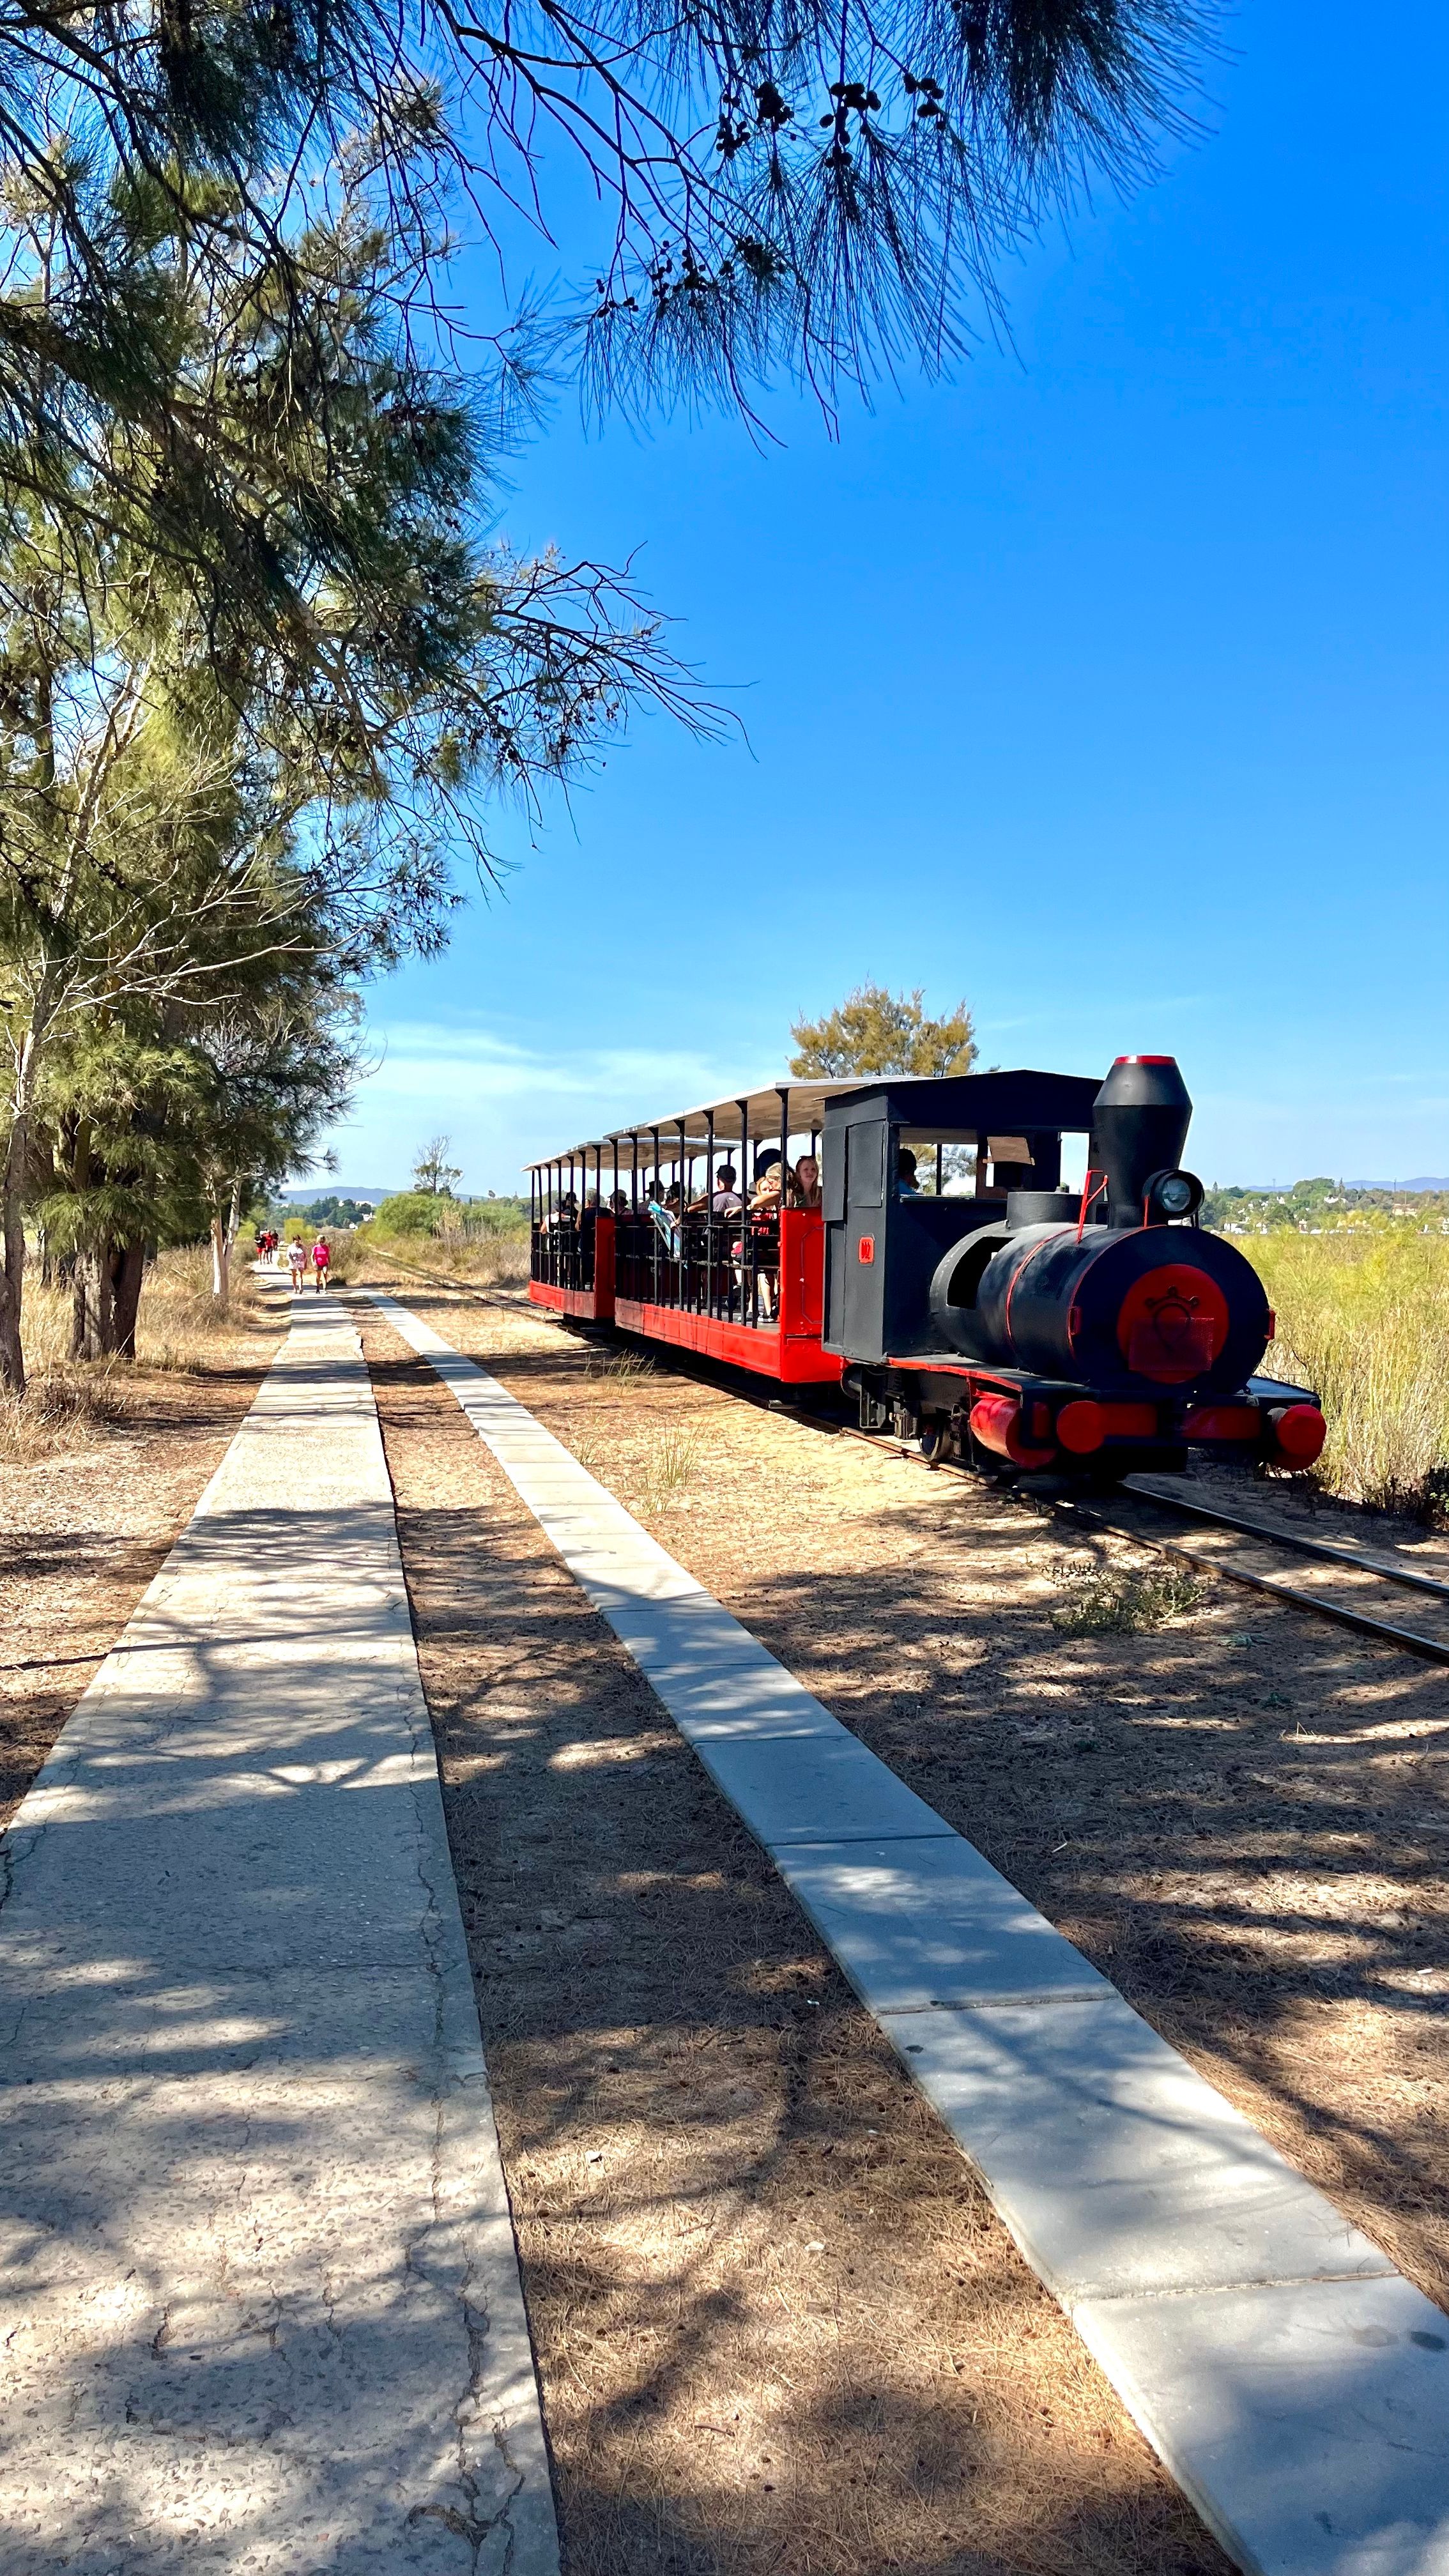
(1351, 1556)
(1385, 1631)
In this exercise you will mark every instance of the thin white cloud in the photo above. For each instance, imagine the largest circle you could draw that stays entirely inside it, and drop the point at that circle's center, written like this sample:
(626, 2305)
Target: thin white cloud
(503, 1103)
(415, 1061)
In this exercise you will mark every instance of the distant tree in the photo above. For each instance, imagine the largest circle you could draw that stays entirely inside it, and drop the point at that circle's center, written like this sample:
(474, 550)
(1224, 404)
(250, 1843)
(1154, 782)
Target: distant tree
(158, 1125)
(433, 1172)
(332, 1210)
(876, 1031)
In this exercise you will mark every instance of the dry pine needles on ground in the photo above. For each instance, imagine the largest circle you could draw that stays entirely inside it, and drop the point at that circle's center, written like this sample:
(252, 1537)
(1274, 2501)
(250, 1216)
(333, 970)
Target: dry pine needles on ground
(1239, 1815)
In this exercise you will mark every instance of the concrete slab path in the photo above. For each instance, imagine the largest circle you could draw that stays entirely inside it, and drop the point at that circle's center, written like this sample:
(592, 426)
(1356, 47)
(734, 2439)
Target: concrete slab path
(1293, 2382)
(259, 2300)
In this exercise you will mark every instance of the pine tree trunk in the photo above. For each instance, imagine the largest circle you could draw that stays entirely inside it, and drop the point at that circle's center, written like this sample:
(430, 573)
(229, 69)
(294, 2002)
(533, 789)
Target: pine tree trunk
(12, 1190)
(130, 1270)
(12, 1364)
(12, 1229)
(93, 1306)
(220, 1265)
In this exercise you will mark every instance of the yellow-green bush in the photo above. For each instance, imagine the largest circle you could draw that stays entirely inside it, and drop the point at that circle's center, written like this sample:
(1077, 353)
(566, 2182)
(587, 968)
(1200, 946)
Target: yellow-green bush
(1363, 1317)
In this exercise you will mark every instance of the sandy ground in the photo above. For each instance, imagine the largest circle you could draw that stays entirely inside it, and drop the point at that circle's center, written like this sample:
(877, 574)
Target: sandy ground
(83, 1532)
(778, 2328)
(1241, 1818)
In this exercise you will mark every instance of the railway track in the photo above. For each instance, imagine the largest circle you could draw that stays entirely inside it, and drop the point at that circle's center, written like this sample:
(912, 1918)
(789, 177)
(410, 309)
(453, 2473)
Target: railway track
(1359, 1588)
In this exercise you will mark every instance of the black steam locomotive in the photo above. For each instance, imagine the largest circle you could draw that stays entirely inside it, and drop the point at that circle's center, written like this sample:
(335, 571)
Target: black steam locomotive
(1100, 1331)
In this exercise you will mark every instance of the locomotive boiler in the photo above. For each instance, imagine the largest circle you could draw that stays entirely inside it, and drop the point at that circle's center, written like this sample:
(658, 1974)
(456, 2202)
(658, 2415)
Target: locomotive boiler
(1095, 1331)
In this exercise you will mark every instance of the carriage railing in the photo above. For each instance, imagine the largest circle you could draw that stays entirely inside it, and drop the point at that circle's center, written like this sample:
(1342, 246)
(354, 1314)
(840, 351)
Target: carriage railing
(764, 1273)
(563, 1252)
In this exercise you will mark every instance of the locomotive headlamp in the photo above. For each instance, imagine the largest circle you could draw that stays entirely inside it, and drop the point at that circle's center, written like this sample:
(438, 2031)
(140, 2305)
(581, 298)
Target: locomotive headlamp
(1172, 1194)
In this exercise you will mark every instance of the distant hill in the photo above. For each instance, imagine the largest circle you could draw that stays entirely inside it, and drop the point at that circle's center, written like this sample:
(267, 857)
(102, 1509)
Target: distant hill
(1385, 1189)
(323, 1188)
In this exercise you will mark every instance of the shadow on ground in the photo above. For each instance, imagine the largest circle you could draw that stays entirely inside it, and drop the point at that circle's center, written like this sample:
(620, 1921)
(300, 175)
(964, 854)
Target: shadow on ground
(778, 2327)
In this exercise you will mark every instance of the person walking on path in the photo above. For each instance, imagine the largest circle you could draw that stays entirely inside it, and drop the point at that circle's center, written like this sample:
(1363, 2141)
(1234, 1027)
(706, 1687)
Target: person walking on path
(296, 1262)
(321, 1261)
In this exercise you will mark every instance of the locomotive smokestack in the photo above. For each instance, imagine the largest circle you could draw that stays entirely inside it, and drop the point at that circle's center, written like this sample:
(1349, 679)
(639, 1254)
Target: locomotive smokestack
(1140, 1120)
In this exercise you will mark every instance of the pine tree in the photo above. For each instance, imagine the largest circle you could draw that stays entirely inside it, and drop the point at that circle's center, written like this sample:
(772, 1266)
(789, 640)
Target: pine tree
(187, 785)
(432, 1172)
(824, 191)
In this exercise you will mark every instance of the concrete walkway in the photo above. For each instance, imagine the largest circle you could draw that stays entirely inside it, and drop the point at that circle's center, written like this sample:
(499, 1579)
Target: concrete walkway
(259, 2302)
(1293, 2382)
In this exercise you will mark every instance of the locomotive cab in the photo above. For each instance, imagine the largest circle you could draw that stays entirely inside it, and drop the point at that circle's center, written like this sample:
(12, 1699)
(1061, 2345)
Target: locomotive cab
(1092, 1332)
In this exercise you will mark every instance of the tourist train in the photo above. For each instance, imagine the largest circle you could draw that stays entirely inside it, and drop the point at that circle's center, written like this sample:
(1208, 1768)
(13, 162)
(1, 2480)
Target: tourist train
(912, 1242)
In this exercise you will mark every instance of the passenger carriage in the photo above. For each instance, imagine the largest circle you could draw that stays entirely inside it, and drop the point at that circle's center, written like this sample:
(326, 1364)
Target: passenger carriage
(610, 1246)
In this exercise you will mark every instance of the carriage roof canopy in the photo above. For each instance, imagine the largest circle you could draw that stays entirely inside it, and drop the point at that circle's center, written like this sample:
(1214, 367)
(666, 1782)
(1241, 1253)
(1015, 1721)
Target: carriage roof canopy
(979, 1101)
(762, 1119)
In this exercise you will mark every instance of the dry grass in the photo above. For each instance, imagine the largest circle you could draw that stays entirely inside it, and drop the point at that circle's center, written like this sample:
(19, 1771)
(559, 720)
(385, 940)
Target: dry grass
(61, 1409)
(69, 1403)
(1364, 1319)
(661, 1477)
(672, 1467)
(626, 1367)
(1107, 1600)
(178, 1326)
(498, 1260)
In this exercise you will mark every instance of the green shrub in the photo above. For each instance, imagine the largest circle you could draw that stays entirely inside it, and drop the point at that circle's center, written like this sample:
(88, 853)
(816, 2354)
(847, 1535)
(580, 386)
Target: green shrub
(419, 1213)
(411, 1212)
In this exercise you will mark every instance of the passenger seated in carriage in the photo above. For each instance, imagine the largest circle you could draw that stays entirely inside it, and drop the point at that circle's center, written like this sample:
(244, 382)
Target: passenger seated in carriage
(806, 1190)
(773, 1182)
(667, 1213)
(725, 1199)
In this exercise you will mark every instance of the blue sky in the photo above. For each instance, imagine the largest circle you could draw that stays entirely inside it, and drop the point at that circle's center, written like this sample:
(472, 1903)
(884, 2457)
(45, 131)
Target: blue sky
(1104, 686)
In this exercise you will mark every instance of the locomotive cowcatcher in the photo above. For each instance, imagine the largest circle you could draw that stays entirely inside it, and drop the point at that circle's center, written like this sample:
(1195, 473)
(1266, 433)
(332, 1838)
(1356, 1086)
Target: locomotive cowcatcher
(1015, 1323)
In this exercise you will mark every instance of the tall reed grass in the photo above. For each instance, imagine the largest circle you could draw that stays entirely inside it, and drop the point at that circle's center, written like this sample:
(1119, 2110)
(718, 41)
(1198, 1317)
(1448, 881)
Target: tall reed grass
(1363, 1317)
